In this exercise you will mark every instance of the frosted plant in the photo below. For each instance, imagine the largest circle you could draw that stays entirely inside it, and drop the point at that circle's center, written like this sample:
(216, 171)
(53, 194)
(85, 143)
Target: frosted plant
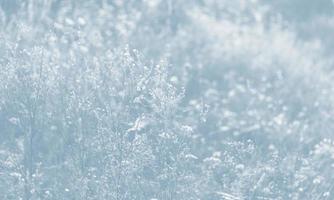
(152, 99)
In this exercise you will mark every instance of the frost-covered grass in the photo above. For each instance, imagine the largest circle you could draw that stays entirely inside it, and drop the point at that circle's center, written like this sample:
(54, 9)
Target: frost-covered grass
(154, 99)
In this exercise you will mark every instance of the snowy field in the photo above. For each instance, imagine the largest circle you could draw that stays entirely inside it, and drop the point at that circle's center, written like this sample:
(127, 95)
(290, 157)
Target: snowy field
(166, 100)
